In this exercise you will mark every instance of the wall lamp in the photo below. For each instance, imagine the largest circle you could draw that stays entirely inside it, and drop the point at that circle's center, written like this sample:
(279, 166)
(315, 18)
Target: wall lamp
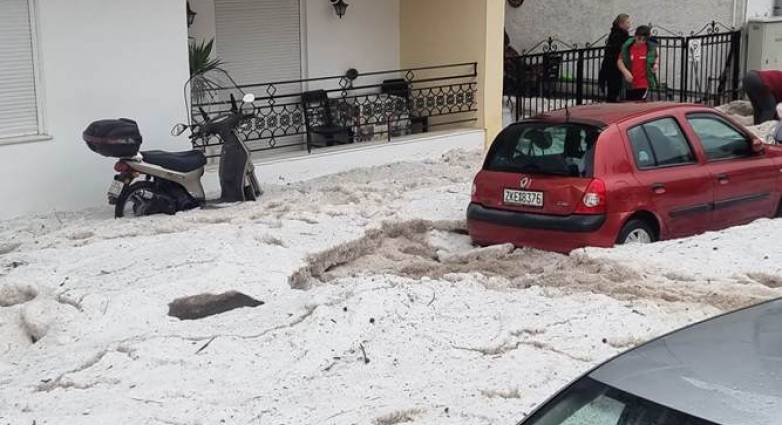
(340, 7)
(190, 15)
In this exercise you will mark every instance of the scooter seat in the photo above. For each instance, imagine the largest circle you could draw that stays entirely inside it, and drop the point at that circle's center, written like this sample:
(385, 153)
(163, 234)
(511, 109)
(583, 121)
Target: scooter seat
(182, 162)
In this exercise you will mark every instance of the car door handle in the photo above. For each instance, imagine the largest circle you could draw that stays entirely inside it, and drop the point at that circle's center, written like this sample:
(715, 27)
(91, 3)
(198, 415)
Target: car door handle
(658, 188)
(723, 178)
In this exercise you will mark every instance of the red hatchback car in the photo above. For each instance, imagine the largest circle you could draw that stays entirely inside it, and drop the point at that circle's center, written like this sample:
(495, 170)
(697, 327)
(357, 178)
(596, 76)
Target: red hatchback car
(604, 174)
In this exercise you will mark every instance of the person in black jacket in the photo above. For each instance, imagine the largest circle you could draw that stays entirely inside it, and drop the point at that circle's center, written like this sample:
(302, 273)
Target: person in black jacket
(611, 79)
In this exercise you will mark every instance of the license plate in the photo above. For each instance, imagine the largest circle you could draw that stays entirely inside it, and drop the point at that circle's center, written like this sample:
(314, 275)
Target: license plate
(525, 198)
(116, 188)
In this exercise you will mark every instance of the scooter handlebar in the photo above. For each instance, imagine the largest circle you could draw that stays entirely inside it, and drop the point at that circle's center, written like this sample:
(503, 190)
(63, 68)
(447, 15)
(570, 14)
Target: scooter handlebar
(218, 124)
(204, 115)
(234, 108)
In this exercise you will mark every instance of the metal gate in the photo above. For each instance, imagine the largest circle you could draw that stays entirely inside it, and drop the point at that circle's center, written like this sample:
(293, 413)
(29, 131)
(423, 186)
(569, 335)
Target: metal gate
(702, 67)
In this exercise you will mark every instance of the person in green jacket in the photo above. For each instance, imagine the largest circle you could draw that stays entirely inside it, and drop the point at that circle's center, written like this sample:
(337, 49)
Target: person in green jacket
(638, 63)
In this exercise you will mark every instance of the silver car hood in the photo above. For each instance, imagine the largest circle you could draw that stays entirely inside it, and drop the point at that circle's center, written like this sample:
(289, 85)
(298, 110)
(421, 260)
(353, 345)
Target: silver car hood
(726, 370)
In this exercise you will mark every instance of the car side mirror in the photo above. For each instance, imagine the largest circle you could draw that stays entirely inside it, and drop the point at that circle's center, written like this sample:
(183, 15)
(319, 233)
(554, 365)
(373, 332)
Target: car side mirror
(758, 147)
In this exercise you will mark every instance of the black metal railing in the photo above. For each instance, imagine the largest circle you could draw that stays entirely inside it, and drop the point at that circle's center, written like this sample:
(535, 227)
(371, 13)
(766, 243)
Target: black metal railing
(702, 67)
(355, 107)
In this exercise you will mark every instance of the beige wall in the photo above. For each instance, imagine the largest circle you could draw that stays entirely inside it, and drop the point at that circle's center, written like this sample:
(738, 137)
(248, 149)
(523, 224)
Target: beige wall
(455, 31)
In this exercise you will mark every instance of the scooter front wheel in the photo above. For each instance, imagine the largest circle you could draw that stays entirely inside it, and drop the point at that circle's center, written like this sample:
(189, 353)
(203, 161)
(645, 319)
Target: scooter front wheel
(249, 194)
(142, 198)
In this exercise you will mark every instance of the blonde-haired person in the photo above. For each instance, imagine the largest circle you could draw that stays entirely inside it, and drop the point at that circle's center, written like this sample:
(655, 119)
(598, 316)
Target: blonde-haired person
(611, 79)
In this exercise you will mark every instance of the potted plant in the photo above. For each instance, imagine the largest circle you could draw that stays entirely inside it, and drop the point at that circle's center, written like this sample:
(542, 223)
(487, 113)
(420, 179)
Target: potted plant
(201, 63)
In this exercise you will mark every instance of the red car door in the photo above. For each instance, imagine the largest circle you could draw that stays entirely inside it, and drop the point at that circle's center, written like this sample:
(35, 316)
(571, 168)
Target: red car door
(744, 181)
(678, 184)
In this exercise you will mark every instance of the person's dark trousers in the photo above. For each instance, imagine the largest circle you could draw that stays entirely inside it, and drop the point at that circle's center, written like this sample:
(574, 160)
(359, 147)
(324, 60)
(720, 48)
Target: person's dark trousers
(614, 90)
(637, 94)
(763, 102)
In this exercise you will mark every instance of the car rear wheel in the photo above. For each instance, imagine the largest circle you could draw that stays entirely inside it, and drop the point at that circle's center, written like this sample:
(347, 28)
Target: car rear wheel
(636, 232)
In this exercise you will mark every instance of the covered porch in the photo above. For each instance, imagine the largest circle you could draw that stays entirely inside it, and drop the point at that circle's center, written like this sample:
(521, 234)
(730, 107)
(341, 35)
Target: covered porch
(381, 72)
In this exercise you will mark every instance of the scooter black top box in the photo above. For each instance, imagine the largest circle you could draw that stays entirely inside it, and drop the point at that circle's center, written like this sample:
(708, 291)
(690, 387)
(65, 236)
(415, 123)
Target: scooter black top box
(118, 138)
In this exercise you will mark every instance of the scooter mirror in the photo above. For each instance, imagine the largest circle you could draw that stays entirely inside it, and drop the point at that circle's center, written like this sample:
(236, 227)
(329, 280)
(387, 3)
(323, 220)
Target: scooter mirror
(178, 129)
(248, 98)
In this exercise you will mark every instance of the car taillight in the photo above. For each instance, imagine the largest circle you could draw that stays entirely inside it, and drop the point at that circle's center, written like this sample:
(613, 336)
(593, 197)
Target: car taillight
(594, 199)
(474, 190)
(121, 167)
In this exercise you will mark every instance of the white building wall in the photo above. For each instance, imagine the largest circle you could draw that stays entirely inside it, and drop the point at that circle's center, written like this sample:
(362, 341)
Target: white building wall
(583, 21)
(366, 38)
(760, 8)
(110, 59)
(100, 59)
(203, 27)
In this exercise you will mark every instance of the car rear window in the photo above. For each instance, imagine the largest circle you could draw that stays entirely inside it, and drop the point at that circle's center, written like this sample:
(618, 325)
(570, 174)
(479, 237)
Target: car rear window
(543, 148)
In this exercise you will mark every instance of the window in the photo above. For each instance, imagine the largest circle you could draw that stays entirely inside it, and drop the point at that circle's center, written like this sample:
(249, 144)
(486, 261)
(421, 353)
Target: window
(719, 139)
(19, 109)
(589, 402)
(561, 149)
(259, 40)
(660, 143)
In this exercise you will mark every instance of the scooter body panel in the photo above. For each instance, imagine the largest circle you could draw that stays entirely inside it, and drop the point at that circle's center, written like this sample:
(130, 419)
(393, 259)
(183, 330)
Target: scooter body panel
(236, 169)
(191, 180)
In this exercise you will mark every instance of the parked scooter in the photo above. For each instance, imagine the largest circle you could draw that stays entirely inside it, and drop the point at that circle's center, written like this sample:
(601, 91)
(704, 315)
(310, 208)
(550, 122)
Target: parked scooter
(154, 182)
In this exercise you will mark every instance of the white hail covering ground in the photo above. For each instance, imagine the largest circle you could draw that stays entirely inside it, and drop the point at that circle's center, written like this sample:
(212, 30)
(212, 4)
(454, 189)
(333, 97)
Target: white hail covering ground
(378, 310)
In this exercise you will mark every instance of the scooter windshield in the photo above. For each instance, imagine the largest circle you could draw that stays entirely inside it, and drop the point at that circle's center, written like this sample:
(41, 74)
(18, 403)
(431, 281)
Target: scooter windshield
(211, 92)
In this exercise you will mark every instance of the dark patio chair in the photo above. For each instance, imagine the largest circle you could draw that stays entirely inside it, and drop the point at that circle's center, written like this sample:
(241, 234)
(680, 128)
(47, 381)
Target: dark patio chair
(322, 128)
(401, 88)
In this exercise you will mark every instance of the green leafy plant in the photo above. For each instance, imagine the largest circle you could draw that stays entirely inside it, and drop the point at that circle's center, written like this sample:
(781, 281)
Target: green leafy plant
(201, 60)
(201, 63)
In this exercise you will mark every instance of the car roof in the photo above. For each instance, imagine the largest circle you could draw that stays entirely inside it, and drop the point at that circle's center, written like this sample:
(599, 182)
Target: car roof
(726, 370)
(604, 114)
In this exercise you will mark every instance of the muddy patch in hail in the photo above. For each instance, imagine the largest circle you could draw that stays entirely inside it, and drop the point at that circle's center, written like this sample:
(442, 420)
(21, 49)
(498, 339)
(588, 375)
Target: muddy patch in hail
(426, 250)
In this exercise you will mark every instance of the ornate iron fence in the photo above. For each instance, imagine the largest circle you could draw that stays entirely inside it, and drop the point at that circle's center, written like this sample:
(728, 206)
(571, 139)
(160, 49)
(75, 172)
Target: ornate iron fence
(351, 108)
(702, 67)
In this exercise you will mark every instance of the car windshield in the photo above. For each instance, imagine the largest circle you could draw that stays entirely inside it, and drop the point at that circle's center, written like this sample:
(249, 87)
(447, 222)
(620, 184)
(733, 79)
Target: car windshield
(589, 402)
(563, 149)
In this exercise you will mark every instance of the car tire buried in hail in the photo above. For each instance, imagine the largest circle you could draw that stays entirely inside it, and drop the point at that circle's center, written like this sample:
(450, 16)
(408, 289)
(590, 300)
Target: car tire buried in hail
(636, 231)
(140, 199)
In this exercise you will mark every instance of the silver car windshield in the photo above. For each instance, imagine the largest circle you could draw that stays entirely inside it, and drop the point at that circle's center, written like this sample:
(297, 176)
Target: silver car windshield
(589, 402)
